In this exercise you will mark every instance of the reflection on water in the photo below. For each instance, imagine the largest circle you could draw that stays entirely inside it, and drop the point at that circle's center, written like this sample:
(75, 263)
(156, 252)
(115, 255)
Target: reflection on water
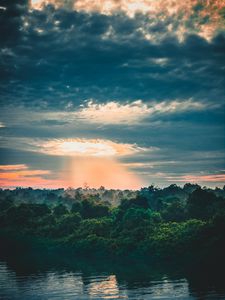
(36, 278)
(105, 287)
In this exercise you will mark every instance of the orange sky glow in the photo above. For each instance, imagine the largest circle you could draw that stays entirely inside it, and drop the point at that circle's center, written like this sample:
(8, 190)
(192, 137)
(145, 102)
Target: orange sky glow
(101, 171)
(78, 172)
(89, 162)
(90, 172)
(115, 93)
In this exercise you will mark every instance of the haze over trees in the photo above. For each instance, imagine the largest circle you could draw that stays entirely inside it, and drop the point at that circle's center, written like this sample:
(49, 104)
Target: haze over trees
(151, 222)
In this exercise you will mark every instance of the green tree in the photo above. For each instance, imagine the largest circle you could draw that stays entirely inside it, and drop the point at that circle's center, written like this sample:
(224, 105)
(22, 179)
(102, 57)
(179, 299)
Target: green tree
(60, 210)
(174, 211)
(202, 204)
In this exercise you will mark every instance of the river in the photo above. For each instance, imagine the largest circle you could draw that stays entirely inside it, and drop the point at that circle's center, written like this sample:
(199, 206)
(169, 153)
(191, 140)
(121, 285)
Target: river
(51, 277)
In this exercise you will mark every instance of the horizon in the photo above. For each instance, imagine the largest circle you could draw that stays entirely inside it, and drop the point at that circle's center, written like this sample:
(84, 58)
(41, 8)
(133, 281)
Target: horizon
(115, 93)
(102, 188)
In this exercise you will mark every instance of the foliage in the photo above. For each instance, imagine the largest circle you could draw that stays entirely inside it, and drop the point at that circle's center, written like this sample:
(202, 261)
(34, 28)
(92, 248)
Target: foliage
(157, 223)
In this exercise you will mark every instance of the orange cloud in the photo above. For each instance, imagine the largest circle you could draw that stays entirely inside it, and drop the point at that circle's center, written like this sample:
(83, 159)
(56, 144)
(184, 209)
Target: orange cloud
(13, 167)
(39, 4)
(199, 178)
(86, 147)
(191, 12)
(21, 176)
(93, 171)
(182, 11)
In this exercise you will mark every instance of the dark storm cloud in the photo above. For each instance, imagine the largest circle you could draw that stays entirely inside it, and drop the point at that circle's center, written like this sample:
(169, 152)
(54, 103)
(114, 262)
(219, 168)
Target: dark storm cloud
(11, 21)
(53, 59)
(10, 156)
(54, 56)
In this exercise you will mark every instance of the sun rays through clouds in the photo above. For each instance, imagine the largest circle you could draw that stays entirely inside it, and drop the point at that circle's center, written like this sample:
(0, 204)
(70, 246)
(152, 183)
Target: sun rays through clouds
(112, 92)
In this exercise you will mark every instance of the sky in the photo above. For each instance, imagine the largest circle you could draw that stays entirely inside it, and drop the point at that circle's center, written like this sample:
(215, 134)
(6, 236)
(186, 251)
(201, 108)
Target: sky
(119, 93)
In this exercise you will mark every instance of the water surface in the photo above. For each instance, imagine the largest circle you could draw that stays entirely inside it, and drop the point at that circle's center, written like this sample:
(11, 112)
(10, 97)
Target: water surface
(48, 277)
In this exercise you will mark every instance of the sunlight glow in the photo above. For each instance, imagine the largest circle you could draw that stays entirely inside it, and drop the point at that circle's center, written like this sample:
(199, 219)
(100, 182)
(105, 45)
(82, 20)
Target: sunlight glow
(39, 4)
(106, 288)
(94, 163)
(95, 172)
(36, 4)
(87, 147)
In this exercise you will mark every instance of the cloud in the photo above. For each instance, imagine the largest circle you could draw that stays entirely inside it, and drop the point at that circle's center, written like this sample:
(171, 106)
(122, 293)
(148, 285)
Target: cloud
(213, 178)
(199, 16)
(113, 112)
(13, 167)
(163, 61)
(55, 57)
(12, 176)
(75, 147)
(166, 177)
(2, 125)
(79, 62)
(94, 171)
(86, 147)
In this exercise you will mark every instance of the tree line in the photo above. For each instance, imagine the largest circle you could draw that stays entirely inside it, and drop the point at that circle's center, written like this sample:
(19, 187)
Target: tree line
(155, 223)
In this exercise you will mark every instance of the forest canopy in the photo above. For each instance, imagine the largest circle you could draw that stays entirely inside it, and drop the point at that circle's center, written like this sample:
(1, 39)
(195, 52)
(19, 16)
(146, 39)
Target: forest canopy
(151, 222)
